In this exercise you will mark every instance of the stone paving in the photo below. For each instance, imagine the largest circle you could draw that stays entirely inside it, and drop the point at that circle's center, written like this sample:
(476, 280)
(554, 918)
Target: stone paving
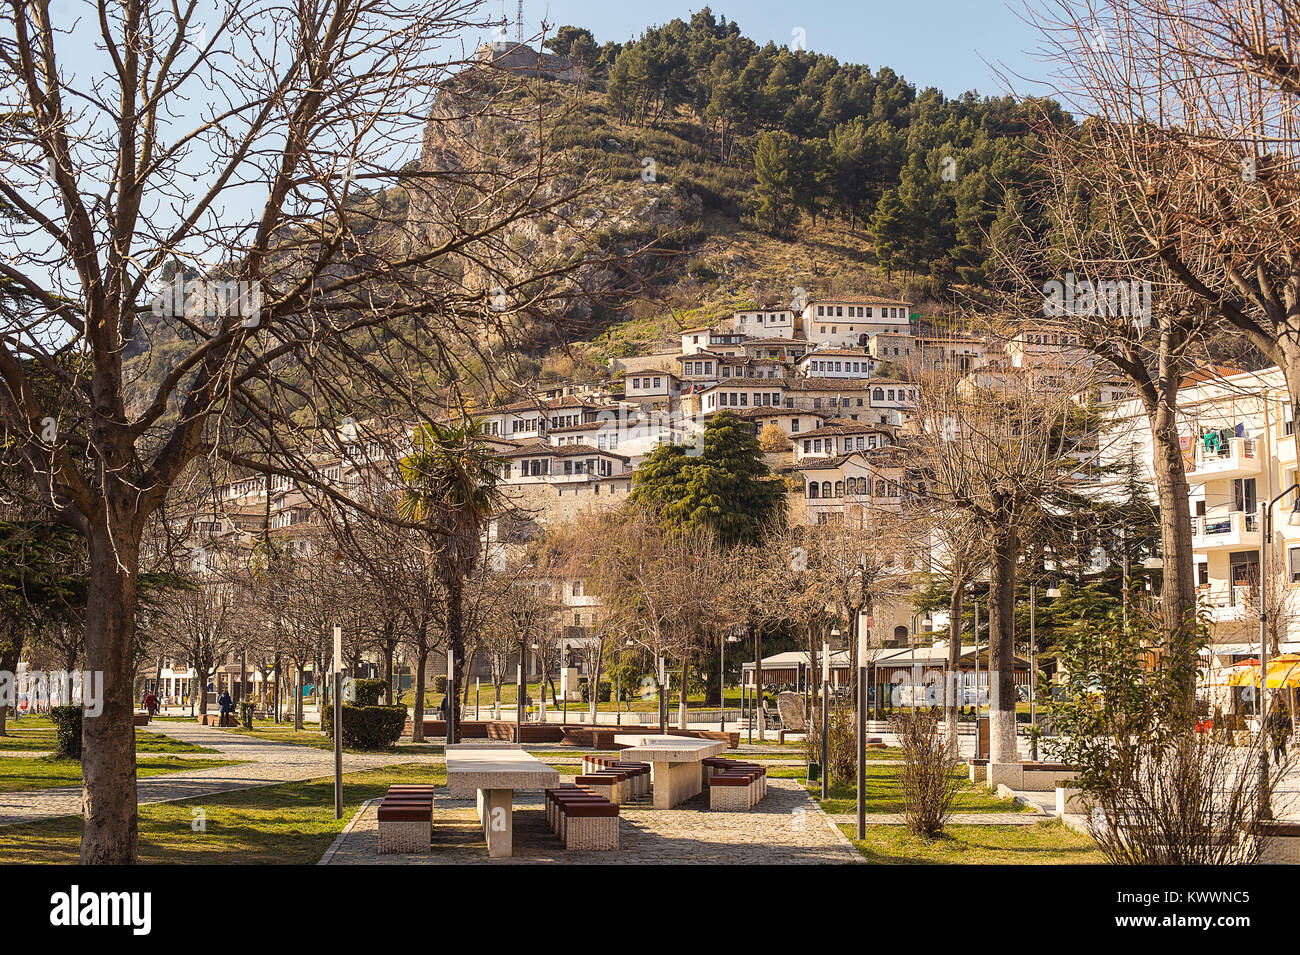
(265, 764)
(786, 828)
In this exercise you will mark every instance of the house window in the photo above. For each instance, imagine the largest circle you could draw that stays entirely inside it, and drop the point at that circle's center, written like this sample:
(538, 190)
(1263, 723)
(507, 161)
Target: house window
(812, 490)
(826, 488)
(1292, 564)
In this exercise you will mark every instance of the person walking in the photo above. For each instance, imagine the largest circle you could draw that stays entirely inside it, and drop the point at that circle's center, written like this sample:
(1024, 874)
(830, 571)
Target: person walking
(1279, 729)
(227, 706)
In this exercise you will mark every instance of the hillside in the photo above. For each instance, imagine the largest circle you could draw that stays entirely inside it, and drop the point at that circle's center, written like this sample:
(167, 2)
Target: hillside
(760, 170)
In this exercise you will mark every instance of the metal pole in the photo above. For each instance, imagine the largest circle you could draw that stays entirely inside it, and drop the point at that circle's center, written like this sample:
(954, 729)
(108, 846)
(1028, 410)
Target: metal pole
(826, 712)
(519, 697)
(1265, 809)
(862, 739)
(1033, 675)
(663, 711)
(722, 684)
(977, 679)
(338, 723)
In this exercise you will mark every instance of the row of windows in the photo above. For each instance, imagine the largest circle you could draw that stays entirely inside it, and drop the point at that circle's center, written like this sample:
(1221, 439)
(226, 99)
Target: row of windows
(734, 399)
(645, 382)
(862, 367)
(863, 443)
(858, 311)
(695, 368)
(857, 487)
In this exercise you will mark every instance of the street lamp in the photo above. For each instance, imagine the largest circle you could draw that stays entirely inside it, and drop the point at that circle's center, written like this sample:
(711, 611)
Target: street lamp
(826, 711)
(1293, 520)
(722, 679)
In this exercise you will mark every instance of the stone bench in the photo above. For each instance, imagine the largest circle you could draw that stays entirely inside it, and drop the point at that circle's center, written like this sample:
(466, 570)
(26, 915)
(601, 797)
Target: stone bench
(406, 819)
(584, 821)
(640, 772)
(734, 785)
(1279, 843)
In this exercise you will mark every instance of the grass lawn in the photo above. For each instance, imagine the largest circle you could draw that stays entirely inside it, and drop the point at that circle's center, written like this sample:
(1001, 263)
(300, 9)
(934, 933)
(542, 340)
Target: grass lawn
(24, 773)
(1048, 843)
(310, 735)
(284, 825)
(883, 793)
(36, 733)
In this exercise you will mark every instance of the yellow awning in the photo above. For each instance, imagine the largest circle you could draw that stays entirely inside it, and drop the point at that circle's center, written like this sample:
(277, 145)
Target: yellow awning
(1284, 671)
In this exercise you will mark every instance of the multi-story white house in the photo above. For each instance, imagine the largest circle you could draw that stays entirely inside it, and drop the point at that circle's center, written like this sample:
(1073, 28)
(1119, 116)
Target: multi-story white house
(836, 363)
(840, 437)
(850, 321)
(770, 321)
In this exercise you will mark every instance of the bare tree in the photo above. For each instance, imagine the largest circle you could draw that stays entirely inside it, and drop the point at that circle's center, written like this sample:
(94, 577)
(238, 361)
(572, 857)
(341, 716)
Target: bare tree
(998, 448)
(201, 629)
(247, 156)
(1192, 153)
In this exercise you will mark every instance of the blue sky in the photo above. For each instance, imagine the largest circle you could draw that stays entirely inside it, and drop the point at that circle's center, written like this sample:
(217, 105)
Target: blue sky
(942, 43)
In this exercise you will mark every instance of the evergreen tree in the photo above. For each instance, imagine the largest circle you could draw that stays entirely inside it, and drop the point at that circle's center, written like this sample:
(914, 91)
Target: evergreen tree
(726, 487)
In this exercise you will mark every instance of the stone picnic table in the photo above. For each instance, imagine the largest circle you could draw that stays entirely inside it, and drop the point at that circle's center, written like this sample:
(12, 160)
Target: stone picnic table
(493, 774)
(676, 764)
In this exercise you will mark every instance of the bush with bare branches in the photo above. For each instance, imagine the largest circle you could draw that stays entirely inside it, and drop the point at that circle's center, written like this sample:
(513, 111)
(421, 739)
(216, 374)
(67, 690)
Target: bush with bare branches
(928, 777)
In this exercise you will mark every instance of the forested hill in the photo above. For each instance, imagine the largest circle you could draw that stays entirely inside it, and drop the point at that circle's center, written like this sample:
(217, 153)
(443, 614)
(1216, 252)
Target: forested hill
(804, 135)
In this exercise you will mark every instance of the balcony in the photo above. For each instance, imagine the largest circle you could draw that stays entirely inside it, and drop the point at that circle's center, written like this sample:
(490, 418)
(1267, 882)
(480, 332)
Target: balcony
(1236, 531)
(1238, 458)
(1229, 604)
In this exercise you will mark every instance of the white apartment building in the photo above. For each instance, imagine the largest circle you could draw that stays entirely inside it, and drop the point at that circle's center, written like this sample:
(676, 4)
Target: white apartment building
(1237, 434)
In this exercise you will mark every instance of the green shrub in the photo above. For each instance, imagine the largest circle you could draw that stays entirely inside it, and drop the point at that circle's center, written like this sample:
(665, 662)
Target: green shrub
(367, 727)
(440, 684)
(67, 731)
(368, 692)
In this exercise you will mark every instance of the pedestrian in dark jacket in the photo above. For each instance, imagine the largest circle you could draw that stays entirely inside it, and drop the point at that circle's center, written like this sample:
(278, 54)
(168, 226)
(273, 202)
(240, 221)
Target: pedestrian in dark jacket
(1279, 730)
(227, 707)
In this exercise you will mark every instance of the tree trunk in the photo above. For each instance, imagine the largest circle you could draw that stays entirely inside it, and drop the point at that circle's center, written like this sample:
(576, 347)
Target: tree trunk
(390, 694)
(456, 641)
(593, 685)
(9, 664)
(1178, 594)
(758, 680)
(275, 702)
(299, 667)
(1002, 673)
(108, 740)
(417, 719)
(681, 693)
(950, 682)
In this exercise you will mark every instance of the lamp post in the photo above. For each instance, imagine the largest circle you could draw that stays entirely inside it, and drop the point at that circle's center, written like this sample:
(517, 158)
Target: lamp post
(1265, 540)
(338, 722)
(826, 711)
(663, 712)
(862, 734)
(722, 682)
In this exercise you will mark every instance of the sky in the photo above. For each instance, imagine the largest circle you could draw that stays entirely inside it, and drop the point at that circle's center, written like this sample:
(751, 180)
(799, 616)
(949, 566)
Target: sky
(945, 43)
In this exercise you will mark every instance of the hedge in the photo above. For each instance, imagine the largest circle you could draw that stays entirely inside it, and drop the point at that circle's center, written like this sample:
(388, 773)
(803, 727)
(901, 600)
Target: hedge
(603, 692)
(367, 727)
(367, 692)
(67, 731)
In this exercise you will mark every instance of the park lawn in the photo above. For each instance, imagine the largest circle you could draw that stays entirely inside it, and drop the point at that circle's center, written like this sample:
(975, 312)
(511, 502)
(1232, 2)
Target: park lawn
(36, 734)
(310, 735)
(884, 795)
(288, 824)
(26, 773)
(1047, 843)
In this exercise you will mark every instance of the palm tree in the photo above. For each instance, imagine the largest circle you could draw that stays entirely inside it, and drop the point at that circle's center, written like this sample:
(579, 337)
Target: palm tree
(451, 491)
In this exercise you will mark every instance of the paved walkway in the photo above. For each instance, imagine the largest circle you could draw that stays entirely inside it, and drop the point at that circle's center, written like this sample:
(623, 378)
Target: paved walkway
(266, 764)
(786, 828)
